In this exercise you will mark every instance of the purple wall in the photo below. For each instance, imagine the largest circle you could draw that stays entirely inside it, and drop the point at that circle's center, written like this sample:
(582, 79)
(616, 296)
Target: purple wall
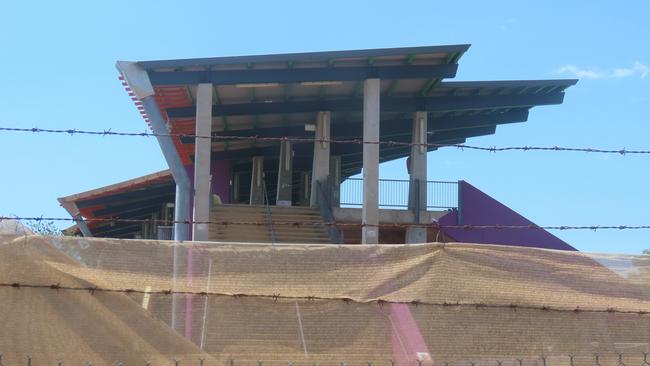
(220, 171)
(480, 209)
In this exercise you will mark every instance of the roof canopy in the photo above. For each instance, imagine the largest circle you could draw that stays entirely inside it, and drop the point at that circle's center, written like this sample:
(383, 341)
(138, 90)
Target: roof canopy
(276, 95)
(134, 199)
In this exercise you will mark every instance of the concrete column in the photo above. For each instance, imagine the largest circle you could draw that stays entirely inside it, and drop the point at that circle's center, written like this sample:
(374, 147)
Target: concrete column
(202, 160)
(370, 211)
(321, 163)
(236, 187)
(305, 188)
(335, 179)
(418, 178)
(285, 173)
(257, 185)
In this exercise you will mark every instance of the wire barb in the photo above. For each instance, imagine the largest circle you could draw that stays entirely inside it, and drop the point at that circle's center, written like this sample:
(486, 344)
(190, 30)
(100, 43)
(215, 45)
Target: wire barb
(492, 149)
(434, 225)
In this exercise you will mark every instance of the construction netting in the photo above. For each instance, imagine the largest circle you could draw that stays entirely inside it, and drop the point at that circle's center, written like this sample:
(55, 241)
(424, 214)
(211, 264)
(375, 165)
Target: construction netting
(137, 302)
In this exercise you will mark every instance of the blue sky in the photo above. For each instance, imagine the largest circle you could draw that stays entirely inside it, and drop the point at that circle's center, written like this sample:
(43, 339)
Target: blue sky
(58, 72)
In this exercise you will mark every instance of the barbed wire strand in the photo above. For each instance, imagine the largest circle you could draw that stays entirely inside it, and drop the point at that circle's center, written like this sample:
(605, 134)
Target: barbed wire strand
(434, 225)
(277, 296)
(256, 138)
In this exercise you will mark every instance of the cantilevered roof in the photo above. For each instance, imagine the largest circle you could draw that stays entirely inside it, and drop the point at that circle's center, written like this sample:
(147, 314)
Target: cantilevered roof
(428, 55)
(276, 95)
(136, 198)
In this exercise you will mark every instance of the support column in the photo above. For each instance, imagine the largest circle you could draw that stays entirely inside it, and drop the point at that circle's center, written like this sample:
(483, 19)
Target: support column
(335, 179)
(202, 159)
(183, 186)
(72, 209)
(257, 185)
(305, 188)
(236, 187)
(138, 81)
(370, 211)
(321, 162)
(418, 178)
(285, 173)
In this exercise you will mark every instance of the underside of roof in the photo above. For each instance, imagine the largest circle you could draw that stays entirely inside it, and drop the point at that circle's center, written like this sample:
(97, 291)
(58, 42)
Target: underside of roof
(133, 199)
(277, 95)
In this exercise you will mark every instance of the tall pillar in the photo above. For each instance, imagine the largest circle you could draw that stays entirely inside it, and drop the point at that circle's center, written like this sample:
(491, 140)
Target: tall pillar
(335, 179)
(257, 185)
(305, 188)
(236, 187)
(285, 173)
(418, 178)
(321, 163)
(202, 159)
(370, 211)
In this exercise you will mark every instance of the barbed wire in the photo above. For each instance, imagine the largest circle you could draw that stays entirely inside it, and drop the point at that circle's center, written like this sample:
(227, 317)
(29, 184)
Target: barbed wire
(276, 296)
(433, 224)
(256, 138)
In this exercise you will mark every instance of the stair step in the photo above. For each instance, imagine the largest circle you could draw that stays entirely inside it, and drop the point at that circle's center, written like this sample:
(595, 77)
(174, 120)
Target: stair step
(284, 233)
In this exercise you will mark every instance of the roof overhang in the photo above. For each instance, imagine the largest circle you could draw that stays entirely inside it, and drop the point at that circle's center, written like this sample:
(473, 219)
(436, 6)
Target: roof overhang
(276, 95)
(135, 198)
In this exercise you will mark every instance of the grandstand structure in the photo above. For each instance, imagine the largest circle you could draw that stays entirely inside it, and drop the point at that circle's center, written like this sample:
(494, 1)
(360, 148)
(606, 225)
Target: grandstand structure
(269, 148)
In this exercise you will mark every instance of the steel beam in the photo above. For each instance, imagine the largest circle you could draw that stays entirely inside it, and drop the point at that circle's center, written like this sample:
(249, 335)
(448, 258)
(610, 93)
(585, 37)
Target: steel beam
(389, 104)
(304, 150)
(140, 84)
(354, 129)
(130, 196)
(298, 75)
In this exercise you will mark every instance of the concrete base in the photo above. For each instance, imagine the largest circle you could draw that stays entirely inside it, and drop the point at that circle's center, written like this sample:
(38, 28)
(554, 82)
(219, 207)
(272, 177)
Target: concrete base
(348, 214)
(416, 235)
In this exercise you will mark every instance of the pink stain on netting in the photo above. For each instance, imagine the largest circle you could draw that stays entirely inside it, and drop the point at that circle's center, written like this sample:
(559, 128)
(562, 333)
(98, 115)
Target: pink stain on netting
(409, 347)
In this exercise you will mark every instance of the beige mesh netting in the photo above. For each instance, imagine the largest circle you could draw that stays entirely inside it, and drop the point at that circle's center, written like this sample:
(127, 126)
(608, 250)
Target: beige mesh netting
(104, 300)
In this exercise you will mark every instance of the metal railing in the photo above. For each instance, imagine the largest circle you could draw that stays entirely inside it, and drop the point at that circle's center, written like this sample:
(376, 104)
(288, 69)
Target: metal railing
(394, 193)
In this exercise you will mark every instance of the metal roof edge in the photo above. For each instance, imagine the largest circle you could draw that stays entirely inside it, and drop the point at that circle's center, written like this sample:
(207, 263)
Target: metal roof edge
(302, 56)
(112, 187)
(509, 83)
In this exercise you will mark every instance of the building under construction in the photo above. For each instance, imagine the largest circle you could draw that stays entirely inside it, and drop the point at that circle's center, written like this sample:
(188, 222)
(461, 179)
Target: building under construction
(278, 149)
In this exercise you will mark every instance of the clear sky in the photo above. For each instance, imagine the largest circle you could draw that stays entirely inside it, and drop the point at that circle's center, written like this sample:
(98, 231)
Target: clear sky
(58, 72)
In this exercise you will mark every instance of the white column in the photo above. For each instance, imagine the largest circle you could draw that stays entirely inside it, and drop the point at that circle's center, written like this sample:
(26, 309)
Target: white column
(305, 188)
(236, 187)
(202, 159)
(370, 212)
(321, 163)
(335, 179)
(418, 178)
(285, 173)
(257, 185)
